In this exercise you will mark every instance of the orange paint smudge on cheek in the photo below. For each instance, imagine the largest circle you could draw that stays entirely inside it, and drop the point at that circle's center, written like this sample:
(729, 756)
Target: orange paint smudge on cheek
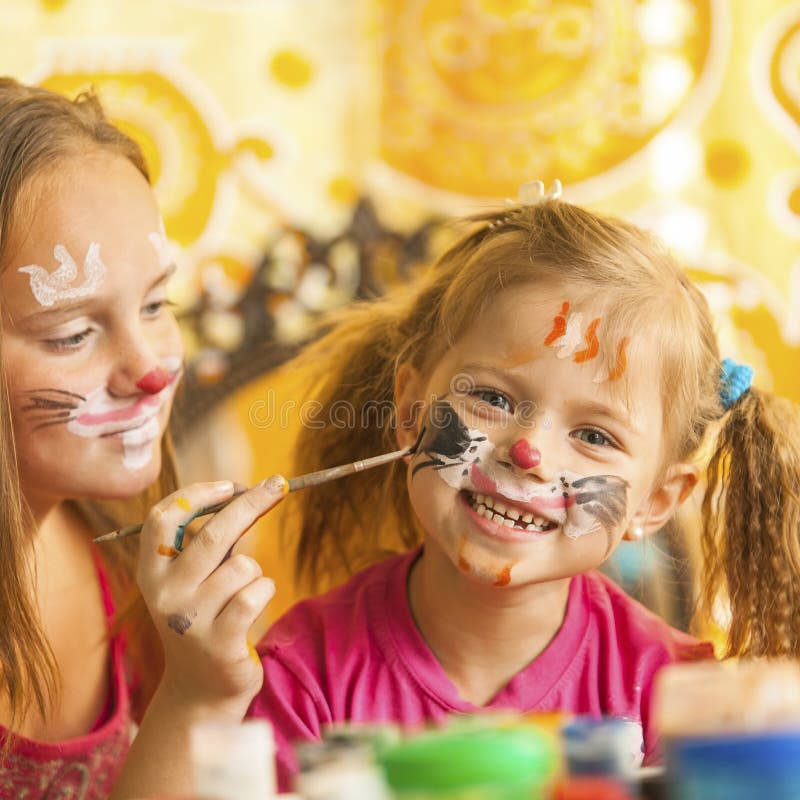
(504, 576)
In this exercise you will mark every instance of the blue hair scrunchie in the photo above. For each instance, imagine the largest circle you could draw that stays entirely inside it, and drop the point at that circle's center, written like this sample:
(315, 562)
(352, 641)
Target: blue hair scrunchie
(734, 382)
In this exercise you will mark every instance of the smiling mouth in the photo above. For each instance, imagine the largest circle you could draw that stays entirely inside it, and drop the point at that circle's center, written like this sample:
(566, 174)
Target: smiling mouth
(508, 515)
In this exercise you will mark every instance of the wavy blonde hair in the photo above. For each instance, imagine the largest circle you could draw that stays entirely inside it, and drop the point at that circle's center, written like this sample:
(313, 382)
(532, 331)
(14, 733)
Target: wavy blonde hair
(38, 130)
(751, 522)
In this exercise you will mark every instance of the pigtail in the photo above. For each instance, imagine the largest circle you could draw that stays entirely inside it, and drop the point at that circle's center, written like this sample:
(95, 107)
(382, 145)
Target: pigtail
(751, 527)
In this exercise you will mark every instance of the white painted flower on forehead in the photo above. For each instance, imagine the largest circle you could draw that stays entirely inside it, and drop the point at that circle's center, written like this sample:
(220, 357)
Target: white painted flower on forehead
(50, 287)
(161, 245)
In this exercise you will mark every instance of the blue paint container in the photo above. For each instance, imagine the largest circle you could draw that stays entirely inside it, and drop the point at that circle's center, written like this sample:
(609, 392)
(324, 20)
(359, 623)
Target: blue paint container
(763, 766)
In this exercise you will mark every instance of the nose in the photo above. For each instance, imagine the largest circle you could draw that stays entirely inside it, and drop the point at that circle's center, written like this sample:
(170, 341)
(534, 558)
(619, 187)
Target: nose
(523, 455)
(154, 381)
(136, 368)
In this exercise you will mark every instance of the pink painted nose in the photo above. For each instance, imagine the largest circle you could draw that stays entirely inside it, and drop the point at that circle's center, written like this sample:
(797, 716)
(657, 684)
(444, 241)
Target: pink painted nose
(154, 381)
(524, 456)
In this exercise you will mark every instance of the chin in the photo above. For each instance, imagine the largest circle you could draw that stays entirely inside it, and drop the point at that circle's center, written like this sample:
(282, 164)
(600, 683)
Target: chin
(122, 483)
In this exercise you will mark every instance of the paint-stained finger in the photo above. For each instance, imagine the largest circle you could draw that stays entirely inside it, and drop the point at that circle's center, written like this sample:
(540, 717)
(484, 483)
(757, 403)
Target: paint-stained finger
(157, 539)
(208, 548)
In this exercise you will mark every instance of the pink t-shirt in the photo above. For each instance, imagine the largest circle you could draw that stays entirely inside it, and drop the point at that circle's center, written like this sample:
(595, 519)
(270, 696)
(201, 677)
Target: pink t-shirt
(355, 654)
(83, 768)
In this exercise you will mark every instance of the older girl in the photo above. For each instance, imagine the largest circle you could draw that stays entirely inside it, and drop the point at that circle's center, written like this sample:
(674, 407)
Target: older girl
(91, 358)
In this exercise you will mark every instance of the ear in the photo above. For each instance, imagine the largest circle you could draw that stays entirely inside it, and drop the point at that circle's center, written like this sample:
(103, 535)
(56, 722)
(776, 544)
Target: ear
(408, 405)
(662, 503)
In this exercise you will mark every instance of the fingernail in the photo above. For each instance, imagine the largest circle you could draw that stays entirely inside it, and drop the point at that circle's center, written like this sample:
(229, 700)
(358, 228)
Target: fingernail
(277, 484)
(222, 487)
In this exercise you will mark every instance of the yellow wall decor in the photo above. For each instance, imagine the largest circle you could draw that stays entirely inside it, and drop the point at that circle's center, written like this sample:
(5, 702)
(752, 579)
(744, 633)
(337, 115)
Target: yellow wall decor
(683, 115)
(476, 93)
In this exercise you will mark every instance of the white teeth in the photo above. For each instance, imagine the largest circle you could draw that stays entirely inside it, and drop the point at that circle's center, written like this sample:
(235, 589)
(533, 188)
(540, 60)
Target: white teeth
(492, 509)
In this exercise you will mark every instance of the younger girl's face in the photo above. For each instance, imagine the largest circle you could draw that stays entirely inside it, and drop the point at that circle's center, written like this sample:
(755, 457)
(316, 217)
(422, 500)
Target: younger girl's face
(92, 352)
(532, 467)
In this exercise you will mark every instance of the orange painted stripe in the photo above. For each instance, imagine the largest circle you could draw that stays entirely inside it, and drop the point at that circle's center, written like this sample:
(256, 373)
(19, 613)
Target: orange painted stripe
(592, 344)
(621, 363)
(559, 325)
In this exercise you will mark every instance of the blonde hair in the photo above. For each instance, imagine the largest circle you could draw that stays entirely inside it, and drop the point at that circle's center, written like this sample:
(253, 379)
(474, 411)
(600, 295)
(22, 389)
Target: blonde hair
(38, 130)
(648, 299)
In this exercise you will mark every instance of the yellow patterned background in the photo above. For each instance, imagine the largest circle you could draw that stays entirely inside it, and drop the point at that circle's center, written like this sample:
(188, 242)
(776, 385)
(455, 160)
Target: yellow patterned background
(683, 115)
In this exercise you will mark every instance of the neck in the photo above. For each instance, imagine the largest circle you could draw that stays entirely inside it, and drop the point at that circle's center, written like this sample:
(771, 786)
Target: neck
(482, 635)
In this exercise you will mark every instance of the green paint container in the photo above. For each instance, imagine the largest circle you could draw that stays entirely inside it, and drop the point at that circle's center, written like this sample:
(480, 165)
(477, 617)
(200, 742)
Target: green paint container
(473, 764)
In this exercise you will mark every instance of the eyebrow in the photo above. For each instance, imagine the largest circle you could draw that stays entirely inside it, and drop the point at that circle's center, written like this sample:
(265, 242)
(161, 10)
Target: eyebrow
(610, 412)
(614, 413)
(72, 307)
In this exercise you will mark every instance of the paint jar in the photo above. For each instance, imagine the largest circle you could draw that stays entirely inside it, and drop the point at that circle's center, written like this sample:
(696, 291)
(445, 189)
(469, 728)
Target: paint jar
(609, 748)
(233, 761)
(340, 768)
(481, 763)
(731, 730)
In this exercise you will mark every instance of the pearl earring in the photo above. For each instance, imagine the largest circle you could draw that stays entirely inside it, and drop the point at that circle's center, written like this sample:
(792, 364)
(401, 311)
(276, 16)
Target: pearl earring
(637, 532)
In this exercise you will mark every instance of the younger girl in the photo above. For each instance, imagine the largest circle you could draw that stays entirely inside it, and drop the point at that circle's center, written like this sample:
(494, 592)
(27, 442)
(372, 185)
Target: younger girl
(564, 373)
(91, 359)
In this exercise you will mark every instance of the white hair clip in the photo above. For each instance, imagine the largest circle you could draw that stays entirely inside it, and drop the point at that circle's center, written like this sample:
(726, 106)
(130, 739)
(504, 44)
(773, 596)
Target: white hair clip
(530, 194)
(533, 193)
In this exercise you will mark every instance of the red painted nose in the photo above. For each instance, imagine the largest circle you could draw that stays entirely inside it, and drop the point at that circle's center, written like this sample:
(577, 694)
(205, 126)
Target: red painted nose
(154, 381)
(524, 456)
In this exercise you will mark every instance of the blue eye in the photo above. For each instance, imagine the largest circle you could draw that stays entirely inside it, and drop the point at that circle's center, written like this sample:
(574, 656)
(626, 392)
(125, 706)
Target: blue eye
(493, 398)
(155, 308)
(594, 437)
(69, 342)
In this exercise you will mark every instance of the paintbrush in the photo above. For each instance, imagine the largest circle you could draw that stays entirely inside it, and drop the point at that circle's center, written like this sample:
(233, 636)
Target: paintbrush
(301, 482)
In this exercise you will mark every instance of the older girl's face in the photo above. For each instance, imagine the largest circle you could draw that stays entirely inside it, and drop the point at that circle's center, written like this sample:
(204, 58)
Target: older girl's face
(91, 349)
(534, 468)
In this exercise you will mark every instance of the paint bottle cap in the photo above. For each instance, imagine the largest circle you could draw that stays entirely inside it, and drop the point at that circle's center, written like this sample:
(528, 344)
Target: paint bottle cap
(733, 696)
(341, 769)
(233, 761)
(518, 761)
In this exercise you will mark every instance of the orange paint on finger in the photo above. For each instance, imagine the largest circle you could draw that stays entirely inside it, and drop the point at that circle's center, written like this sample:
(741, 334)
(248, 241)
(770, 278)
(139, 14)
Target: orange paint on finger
(592, 344)
(253, 654)
(183, 503)
(621, 361)
(559, 325)
(168, 550)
